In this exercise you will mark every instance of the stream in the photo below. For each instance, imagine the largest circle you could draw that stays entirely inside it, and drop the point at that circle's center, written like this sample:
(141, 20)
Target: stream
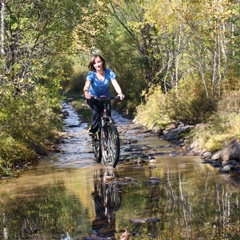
(156, 192)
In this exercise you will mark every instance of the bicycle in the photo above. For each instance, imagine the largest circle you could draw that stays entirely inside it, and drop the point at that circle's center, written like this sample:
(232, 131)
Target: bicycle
(106, 142)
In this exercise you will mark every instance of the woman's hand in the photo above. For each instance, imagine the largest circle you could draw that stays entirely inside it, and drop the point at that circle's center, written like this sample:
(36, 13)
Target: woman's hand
(121, 96)
(87, 95)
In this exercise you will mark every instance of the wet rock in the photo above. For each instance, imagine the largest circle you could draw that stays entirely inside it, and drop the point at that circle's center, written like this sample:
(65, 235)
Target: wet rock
(130, 141)
(225, 169)
(216, 155)
(127, 180)
(195, 144)
(231, 152)
(65, 113)
(195, 152)
(206, 155)
(231, 166)
(133, 148)
(173, 132)
(139, 167)
(152, 161)
(213, 163)
(216, 164)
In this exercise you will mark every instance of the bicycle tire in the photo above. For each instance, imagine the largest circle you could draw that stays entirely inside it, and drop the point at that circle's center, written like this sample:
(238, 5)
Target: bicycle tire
(97, 149)
(110, 145)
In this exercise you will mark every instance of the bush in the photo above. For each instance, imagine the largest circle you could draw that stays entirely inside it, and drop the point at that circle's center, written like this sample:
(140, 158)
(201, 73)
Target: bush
(26, 121)
(225, 123)
(155, 110)
(187, 103)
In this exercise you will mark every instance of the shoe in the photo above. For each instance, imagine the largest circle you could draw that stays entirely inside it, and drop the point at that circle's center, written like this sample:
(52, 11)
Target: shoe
(91, 134)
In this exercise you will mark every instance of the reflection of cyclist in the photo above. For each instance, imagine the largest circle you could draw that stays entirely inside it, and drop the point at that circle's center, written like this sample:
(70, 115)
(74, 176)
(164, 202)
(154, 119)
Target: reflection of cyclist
(100, 225)
(97, 84)
(107, 199)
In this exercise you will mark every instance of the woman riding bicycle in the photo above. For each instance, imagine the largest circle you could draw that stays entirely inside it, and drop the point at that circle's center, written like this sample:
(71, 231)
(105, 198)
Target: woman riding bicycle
(97, 84)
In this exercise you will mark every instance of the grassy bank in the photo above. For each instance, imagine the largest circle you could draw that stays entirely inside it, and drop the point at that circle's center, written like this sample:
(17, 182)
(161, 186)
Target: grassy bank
(221, 118)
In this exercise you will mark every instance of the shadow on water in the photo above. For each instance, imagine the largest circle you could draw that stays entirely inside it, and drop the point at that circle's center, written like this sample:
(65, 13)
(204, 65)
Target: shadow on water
(165, 196)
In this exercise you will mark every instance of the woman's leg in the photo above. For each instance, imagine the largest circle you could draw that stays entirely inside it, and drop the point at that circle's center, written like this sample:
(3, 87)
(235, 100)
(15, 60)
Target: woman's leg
(96, 107)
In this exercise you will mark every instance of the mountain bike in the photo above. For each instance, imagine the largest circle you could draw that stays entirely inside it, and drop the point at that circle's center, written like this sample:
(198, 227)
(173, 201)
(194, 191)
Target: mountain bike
(106, 142)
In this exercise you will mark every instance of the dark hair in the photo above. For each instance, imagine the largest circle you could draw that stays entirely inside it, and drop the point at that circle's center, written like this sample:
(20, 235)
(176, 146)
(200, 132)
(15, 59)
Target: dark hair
(92, 62)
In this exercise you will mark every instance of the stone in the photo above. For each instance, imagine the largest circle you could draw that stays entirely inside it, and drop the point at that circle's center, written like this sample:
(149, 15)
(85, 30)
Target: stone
(231, 152)
(216, 155)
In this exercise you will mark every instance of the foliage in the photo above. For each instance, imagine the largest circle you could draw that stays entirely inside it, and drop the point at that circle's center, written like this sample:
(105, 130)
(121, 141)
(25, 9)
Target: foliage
(158, 101)
(188, 103)
(190, 51)
(123, 58)
(26, 122)
(225, 124)
(36, 38)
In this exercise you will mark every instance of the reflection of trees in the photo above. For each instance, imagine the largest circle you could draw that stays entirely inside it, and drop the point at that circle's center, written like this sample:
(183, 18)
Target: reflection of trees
(188, 204)
(47, 213)
(201, 208)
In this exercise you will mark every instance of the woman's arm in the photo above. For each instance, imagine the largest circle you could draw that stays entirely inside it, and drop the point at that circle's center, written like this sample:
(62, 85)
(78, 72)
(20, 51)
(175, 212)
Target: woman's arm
(86, 89)
(117, 89)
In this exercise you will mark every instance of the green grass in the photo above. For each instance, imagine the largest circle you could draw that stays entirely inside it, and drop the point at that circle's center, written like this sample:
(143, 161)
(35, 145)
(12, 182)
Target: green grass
(83, 109)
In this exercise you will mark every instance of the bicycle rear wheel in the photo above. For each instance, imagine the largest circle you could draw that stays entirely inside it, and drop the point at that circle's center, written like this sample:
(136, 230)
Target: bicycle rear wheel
(110, 145)
(97, 148)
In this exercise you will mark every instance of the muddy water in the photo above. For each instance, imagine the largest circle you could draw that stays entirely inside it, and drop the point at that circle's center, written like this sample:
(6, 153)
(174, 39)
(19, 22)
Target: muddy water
(155, 193)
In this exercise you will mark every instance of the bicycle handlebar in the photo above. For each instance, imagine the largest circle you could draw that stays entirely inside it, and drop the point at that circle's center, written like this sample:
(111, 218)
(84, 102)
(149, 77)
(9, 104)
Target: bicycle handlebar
(102, 99)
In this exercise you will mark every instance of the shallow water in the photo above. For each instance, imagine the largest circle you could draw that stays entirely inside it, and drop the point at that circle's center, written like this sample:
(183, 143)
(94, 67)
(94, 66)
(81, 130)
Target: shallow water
(155, 193)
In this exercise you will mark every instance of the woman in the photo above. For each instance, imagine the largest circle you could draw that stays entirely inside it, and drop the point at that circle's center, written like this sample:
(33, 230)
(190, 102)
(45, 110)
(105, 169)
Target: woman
(97, 84)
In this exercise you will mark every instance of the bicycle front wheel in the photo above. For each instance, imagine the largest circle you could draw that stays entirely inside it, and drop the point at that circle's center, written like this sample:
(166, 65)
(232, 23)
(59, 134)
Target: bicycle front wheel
(110, 145)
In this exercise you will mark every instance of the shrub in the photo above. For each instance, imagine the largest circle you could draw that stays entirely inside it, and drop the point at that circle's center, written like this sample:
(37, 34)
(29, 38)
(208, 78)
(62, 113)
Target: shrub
(26, 121)
(225, 123)
(189, 102)
(155, 110)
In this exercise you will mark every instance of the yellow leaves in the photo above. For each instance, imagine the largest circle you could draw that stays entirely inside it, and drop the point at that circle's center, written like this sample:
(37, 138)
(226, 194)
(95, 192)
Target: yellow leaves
(93, 23)
(160, 14)
(100, 3)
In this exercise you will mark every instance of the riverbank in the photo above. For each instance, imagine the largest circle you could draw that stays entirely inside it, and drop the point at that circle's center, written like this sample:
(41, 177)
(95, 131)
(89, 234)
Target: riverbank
(227, 159)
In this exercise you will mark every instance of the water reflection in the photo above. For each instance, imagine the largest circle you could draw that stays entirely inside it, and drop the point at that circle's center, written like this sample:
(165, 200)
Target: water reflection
(179, 199)
(107, 196)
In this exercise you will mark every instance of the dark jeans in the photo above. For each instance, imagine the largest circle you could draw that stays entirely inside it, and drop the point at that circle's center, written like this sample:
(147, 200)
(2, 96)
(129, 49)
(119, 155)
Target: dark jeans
(97, 109)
